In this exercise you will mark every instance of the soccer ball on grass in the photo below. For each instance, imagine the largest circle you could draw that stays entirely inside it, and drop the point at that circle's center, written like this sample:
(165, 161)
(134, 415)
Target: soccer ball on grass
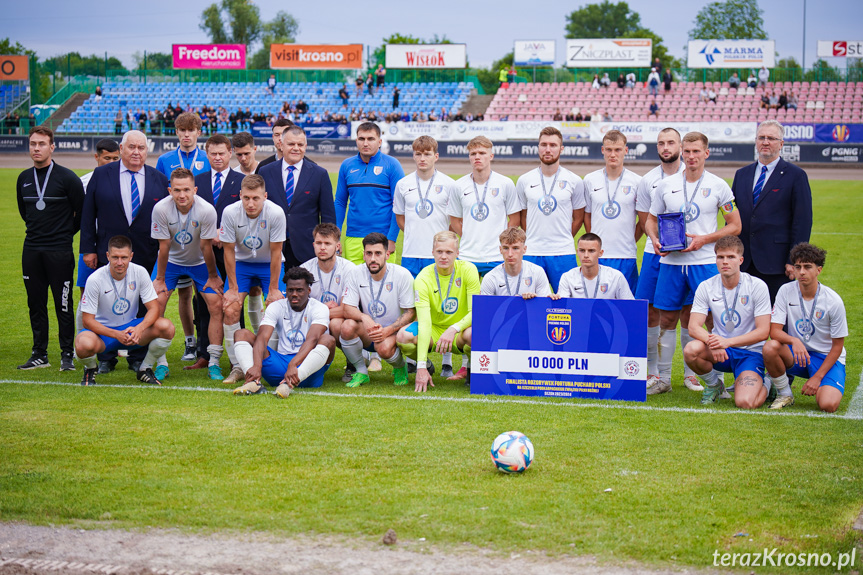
(512, 452)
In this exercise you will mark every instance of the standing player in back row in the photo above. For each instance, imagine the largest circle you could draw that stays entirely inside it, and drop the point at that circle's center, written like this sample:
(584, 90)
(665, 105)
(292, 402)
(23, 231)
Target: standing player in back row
(552, 209)
(480, 217)
(610, 194)
(420, 204)
(701, 196)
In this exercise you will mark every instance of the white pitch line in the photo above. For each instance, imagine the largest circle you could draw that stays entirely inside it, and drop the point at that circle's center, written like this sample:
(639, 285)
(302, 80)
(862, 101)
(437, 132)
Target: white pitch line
(855, 406)
(476, 399)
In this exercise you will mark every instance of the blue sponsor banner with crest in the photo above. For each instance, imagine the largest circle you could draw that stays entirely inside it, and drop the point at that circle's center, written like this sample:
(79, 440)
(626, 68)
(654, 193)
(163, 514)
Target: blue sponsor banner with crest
(839, 133)
(586, 348)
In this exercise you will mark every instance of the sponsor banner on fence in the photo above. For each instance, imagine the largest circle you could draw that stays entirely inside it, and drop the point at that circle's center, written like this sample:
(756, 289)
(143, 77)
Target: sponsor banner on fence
(831, 154)
(317, 56)
(731, 53)
(839, 133)
(840, 48)
(319, 130)
(716, 132)
(584, 348)
(426, 56)
(209, 56)
(464, 131)
(14, 68)
(799, 132)
(605, 53)
(534, 53)
(505, 149)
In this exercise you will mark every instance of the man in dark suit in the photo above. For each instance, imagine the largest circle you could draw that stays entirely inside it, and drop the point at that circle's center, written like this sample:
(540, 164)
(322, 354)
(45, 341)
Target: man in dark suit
(775, 205)
(279, 127)
(220, 186)
(304, 190)
(119, 201)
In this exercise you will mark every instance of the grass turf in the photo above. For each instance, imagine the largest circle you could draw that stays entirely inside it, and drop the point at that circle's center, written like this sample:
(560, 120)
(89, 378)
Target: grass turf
(683, 484)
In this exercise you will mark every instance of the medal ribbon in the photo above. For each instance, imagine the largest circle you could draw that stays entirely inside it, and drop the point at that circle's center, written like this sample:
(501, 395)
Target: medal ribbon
(424, 199)
(117, 296)
(616, 188)
(440, 291)
(506, 281)
(686, 201)
(290, 318)
(194, 158)
(372, 291)
(41, 191)
(811, 324)
(554, 181)
(584, 285)
(186, 223)
(730, 313)
(332, 275)
(476, 190)
(249, 227)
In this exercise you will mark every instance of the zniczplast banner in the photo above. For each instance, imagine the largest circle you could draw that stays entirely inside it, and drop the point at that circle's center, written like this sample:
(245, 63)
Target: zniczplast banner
(209, 56)
(716, 132)
(426, 56)
(534, 53)
(840, 49)
(317, 56)
(604, 53)
(731, 54)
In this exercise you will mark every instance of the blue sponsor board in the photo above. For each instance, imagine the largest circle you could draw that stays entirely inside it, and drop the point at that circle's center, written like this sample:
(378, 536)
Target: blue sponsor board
(327, 130)
(799, 132)
(586, 348)
(839, 133)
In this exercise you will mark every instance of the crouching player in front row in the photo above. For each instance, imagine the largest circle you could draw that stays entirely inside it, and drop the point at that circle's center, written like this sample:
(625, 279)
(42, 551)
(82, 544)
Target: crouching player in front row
(109, 309)
(443, 321)
(814, 345)
(305, 349)
(740, 305)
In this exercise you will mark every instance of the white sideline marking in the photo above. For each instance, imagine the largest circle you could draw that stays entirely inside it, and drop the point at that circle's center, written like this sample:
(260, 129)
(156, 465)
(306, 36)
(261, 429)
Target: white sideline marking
(856, 401)
(48, 564)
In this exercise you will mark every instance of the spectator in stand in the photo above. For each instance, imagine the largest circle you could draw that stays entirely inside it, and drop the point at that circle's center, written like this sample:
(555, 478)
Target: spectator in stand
(595, 84)
(370, 84)
(734, 80)
(168, 116)
(359, 82)
(654, 109)
(653, 82)
(302, 108)
(444, 115)
(752, 81)
(658, 65)
(579, 117)
(131, 119)
(98, 94)
(396, 93)
(783, 100)
(380, 75)
(503, 76)
(765, 101)
(468, 118)
(235, 123)
(773, 101)
(142, 120)
(711, 95)
(763, 76)
(621, 81)
(569, 117)
(343, 94)
(792, 102)
(558, 117)
(587, 116)
(702, 95)
(606, 81)
(271, 85)
(667, 79)
(631, 80)
(597, 116)
(118, 124)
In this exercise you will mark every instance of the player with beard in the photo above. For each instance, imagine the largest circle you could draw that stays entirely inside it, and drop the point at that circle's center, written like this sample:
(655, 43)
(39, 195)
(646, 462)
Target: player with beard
(552, 209)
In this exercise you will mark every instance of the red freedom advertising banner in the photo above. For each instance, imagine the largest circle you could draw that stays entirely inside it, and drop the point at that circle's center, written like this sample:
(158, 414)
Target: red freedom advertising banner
(426, 56)
(209, 56)
(317, 56)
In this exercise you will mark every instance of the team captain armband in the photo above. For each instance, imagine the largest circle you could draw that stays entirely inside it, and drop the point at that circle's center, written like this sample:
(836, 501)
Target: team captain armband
(728, 207)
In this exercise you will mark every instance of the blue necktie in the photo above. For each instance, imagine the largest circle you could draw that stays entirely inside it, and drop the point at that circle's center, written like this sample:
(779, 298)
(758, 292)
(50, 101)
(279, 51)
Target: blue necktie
(217, 188)
(136, 196)
(289, 185)
(759, 185)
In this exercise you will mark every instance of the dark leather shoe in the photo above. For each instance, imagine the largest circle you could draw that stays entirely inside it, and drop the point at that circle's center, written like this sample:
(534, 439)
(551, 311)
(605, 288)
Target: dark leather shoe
(200, 363)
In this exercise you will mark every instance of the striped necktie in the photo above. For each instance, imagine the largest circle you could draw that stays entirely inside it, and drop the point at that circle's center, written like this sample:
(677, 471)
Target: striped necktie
(289, 185)
(217, 188)
(136, 195)
(759, 185)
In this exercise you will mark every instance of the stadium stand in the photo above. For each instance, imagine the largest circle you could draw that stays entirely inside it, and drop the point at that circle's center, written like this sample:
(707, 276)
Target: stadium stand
(97, 116)
(817, 102)
(10, 96)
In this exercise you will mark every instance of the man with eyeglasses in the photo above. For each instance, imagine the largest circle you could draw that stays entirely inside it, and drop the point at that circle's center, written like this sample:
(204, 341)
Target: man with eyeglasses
(775, 206)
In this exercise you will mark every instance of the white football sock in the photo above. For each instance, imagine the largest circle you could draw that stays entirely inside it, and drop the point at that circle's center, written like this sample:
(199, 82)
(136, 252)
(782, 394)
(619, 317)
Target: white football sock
(465, 361)
(711, 379)
(652, 350)
(353, 351)
(155, 350)
(684, 339)
(215, 352)
(229, 341)
(79, 319)
(447, 359)
(396, 360)
(666, 353)
(316, 359)
(163, 359)
(89, 362)
(245, 355)
(781, 385)
(255, 306)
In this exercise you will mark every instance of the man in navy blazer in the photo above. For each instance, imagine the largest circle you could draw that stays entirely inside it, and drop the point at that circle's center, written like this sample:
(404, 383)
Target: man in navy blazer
(775, 205)
(304, 191)
(115, 205)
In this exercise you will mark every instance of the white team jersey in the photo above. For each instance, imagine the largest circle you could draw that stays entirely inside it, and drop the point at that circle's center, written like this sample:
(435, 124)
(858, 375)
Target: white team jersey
(184, 231)
(392, 295)
(549, 217)
(85, 179)
(292, 326)
(609, 283)
(752, 300)
(254, 235)
(828, 318)
(613, 221)
(481, 228)
(329, 286)
(644, 194)
(115, 302)
(712, 197)
(533, 280)
(421, 225)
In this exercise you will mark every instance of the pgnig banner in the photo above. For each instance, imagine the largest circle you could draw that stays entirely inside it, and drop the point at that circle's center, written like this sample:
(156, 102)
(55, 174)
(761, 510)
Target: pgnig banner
(589, 348)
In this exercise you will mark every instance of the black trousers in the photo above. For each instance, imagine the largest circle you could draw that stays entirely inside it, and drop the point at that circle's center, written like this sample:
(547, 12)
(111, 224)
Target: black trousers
(773, 281)
(55, 270)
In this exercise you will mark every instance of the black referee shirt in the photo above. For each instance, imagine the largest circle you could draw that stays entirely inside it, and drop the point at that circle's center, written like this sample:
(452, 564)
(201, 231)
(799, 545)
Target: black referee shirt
(54, 227)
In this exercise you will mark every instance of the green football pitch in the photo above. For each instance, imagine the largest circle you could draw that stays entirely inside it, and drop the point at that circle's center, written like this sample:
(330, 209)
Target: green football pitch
(664, 483)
